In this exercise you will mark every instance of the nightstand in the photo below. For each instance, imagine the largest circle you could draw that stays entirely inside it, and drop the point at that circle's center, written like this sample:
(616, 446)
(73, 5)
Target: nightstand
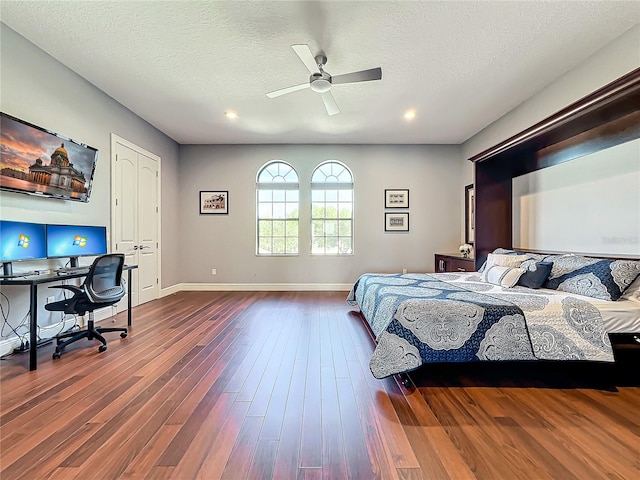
(454, 262)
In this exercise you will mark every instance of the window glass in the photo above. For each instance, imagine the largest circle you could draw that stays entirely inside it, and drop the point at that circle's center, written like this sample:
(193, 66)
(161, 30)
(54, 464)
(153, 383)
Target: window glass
(277, 210)
(332, 209)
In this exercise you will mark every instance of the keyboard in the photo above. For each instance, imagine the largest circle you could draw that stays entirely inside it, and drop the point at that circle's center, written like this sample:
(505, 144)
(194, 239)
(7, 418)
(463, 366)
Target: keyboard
(73, 270)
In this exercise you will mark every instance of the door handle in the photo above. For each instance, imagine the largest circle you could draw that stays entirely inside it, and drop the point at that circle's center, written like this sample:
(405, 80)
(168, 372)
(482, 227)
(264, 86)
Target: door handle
(144, 246)
(135, 247)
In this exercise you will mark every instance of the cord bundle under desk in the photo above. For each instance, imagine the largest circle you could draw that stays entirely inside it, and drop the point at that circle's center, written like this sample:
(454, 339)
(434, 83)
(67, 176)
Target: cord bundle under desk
(33, 281)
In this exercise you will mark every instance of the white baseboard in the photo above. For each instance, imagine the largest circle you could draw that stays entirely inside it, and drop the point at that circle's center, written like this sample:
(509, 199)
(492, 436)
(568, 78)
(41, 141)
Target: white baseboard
(170, 290)
(9, 344)
(257, 287)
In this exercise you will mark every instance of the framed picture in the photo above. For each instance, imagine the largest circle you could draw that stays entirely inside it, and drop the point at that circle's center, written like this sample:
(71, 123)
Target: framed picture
(214, 202)
(396, 198)
(469, 215)
(396, 222)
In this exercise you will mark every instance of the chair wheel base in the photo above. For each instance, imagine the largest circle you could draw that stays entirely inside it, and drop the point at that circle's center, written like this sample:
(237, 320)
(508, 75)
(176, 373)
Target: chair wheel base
(102, 348)
(56, 355)
(123, 334)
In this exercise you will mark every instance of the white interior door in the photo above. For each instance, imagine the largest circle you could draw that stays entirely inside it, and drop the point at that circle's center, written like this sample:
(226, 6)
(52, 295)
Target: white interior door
(136, 213)
(148, 241)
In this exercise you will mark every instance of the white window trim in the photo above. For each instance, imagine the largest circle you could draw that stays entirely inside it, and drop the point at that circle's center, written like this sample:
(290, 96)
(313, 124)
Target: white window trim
(271, 186)
(333, 186)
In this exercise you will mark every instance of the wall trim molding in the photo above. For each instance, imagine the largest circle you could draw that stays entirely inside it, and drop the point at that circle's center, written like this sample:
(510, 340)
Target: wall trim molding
(248, 287)
(164, 292)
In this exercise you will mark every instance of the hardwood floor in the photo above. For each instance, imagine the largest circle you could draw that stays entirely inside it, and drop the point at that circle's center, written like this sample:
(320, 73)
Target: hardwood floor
(276, 385)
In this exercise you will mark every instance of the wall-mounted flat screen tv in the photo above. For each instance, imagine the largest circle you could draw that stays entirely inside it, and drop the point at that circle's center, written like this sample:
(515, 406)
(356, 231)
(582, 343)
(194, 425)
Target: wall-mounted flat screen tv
(40, 162)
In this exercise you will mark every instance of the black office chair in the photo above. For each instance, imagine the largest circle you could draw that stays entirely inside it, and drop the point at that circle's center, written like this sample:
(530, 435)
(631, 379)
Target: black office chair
(102, 287)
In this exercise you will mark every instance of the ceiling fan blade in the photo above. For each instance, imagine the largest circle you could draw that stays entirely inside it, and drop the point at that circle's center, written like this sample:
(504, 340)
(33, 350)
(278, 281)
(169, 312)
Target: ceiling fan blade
(282, 91)
(330, 103)
(362, 76)
(304, 52)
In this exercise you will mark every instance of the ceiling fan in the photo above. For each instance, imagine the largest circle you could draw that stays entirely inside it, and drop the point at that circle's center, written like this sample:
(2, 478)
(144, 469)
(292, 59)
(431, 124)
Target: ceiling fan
(321, 81)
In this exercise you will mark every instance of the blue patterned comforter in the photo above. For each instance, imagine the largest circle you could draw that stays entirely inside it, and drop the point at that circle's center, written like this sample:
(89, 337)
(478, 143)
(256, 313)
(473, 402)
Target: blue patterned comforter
(454, 317)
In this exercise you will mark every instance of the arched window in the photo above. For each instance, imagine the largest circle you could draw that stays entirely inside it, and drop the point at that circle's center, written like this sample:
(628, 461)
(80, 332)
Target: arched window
(331, 209)
(278, 207)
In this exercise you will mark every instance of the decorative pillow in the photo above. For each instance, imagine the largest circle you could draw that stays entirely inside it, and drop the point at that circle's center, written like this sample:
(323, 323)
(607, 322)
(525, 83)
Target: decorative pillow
(632, 292)
(593, 277)
(504, 251)
(531, 260)
(504, 276)
(504, 260)
(535, 275)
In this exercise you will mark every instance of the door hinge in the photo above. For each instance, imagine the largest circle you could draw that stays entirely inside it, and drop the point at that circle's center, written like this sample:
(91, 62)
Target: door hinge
(116, 202)
(116, 246)
(156, 244)
(156, 209)
(156, 174)
(157, 282)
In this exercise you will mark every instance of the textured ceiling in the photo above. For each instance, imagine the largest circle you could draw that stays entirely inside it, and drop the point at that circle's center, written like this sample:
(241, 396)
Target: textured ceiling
(181, 64)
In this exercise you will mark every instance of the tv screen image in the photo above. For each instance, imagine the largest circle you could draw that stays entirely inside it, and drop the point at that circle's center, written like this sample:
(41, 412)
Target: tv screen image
(76, 240)
(22, 241)
(40, 162)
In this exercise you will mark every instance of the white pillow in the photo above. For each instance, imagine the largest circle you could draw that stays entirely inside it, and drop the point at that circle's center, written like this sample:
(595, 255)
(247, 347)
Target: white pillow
(504, 260)
(501, 252)
(506, 277)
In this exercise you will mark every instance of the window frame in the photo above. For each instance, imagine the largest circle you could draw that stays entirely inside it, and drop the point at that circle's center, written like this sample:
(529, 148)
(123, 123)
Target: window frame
(279, 186)
(331, 186)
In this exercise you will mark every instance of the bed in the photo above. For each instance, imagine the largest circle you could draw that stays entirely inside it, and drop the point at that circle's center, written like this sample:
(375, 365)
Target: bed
(461, 317)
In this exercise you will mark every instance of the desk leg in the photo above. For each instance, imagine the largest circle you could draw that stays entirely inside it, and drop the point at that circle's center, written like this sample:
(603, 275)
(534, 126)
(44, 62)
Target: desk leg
(129, 297)
(33, 328)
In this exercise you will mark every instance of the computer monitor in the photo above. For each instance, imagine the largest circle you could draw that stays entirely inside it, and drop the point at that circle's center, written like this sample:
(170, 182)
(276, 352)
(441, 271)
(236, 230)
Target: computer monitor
(75, 241)
(21, 241)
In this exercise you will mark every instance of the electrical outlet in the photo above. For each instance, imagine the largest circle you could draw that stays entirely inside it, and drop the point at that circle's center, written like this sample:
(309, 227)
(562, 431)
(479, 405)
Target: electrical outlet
(214, 271)
(51, 299)
(404, 270)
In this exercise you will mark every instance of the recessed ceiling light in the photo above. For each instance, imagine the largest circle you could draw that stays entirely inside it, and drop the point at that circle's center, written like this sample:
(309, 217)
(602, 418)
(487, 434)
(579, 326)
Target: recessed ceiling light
(410, 114)
(231, 114)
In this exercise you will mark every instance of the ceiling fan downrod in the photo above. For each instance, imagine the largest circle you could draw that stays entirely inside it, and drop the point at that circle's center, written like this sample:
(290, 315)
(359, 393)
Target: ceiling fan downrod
(320, 82)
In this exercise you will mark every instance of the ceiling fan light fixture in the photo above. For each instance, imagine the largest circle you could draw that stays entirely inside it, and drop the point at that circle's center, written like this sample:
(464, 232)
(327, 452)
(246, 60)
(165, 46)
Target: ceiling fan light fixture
(321, 85)
(410, 114)
(320, 82)
(231, 114)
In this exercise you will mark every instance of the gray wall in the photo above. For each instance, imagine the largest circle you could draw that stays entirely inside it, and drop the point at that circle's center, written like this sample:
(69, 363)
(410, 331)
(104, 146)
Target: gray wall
(227, 243)
(606, 65)
(37, 88)
(611, 62)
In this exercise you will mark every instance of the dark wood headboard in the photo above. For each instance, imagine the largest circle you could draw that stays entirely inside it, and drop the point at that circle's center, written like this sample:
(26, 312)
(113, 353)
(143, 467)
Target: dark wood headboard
(607, 117)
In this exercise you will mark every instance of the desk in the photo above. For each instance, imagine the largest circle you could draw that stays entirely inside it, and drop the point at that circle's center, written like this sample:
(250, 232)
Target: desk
(33, 281)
